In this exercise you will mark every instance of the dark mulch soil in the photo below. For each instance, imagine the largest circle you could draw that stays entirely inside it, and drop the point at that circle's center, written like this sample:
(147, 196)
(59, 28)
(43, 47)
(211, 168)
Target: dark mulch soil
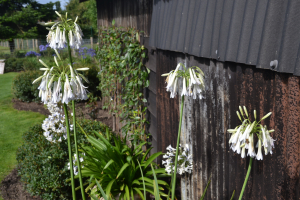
(11, 188)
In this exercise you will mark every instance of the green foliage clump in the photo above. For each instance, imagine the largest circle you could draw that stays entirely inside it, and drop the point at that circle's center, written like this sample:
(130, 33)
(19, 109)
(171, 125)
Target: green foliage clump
(120, 168)
(13, 64)
(43, 165)
(23, 89)
(123, 77)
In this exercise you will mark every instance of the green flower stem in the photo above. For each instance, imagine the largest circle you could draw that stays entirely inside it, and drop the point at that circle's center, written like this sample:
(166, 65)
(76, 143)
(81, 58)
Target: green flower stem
(246, 179)
(76, 150)
(177, 151)
(70, 151)
(74, 128)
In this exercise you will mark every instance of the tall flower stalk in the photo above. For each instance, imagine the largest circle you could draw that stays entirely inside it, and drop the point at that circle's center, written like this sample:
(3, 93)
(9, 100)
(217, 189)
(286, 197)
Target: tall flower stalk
(63, 83)
(242, 139)
(193, 86)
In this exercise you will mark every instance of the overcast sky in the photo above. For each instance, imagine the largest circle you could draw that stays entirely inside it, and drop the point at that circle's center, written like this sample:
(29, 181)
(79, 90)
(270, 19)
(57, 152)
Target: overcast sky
(62, 2)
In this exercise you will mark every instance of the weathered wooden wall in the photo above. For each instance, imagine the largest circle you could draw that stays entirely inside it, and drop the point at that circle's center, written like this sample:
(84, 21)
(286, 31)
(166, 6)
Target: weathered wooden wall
(133, 13)
(206, 121)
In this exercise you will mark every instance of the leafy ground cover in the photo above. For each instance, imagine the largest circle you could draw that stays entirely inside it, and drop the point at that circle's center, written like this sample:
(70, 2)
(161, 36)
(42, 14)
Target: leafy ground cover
(12, 124)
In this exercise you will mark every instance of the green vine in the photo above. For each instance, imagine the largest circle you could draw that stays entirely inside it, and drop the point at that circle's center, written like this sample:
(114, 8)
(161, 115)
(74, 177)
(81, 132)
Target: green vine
(123, 77)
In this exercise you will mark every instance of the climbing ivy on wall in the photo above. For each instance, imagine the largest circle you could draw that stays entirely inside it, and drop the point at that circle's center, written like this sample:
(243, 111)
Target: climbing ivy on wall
(123, 77)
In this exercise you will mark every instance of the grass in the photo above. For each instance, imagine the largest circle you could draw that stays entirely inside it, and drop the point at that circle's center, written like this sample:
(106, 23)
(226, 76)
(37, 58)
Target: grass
(12, 124)
(4, 49)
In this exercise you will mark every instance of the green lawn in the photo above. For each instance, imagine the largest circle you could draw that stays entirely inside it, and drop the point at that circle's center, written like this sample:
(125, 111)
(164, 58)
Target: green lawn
(12, 124)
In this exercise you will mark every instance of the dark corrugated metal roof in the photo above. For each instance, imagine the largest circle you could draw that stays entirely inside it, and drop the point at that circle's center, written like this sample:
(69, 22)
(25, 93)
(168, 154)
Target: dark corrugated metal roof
(253, 32)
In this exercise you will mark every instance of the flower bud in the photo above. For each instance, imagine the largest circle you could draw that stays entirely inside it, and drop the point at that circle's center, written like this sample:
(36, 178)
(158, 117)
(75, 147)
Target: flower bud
(254, 112)
(36, 80)
(43, 63)
(241, 110)
(245, 109)
(82, 69)
(56, 61)
(266, 116)
(238, 114)
(58, 14)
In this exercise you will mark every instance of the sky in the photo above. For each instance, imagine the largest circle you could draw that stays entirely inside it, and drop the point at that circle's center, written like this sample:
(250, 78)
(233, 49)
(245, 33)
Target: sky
(62, 2)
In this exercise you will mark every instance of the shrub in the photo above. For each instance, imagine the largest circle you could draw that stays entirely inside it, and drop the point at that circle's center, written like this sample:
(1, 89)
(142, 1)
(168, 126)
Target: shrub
(13, 64)
(42, 165)
(23, 88)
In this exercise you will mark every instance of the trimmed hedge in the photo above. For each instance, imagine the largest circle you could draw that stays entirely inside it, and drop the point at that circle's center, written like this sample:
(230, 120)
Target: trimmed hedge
(23, 89)
(42, 165)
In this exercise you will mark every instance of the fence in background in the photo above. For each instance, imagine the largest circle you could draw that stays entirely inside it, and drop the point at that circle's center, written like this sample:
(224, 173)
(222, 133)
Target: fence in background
(33, 44)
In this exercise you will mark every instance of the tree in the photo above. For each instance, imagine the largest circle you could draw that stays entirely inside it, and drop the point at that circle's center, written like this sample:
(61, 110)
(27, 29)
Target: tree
(19, 18)
(87, 15)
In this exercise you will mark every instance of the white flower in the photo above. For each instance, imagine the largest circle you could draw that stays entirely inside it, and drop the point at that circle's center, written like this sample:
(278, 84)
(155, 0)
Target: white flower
(243, 154)
(259, 155)
(184, 161)
(184, 91)
(251, 149)
(57, 34)
(82, 90)
(270, 143)
(174, 90)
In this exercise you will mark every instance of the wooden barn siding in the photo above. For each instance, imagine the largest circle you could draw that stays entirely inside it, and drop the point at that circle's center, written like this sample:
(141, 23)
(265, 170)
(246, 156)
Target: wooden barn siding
(206, 121)
(133, 13)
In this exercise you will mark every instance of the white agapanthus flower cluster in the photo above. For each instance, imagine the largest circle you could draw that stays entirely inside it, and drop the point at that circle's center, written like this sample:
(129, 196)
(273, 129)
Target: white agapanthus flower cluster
(184, 163)
(54, 125)
(192, 81)
(61, 83)
(75, 168)
(59, 30)
(242, 137)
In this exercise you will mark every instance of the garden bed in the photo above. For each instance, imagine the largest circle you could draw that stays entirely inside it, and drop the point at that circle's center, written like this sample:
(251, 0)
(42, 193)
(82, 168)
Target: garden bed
(82, 111)
(11, 188)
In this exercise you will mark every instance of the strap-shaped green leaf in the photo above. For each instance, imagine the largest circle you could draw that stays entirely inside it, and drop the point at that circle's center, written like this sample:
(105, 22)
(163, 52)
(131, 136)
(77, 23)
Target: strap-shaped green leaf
(232, 195)
(157, 171)
(107, 165)
(136, 182)
(138, 147)
(150, 181)
(108, 187)
(127, 195)
(146, 153)
(122, 169)
(107, 143)
(156, 188)
(203, 195)
(101, 190)
(142, 179)
(140, 193)
(98, 144)
(151, 158)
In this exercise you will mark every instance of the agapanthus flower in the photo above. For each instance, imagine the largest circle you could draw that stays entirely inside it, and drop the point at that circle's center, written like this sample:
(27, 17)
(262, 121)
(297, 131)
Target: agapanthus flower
(242, 137)
(192, 81)
(185, 161)
(54, 125)
(60, 30)
(75, 167)
(61, 83)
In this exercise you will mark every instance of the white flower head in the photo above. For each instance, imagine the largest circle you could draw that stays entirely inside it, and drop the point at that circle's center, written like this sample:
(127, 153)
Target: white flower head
(242, 137)
(185, 162)
(193, 76)
(57, 34)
